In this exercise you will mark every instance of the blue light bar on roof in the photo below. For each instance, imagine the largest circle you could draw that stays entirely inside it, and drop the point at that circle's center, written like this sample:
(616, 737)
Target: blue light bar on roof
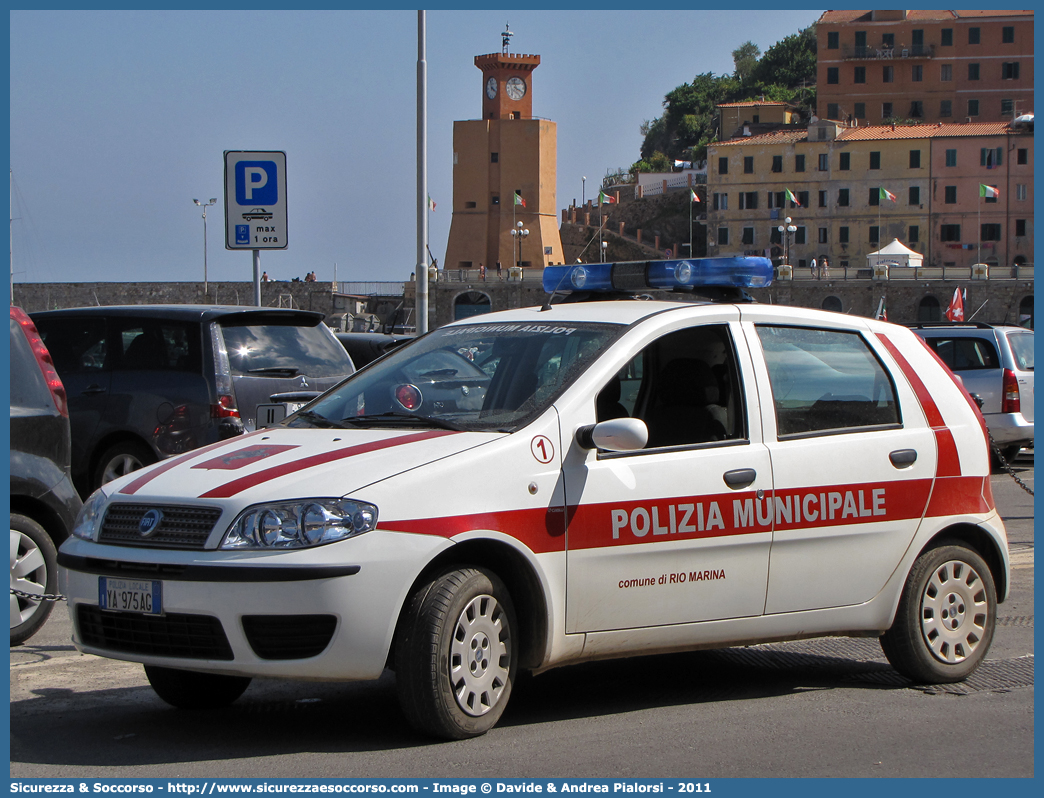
(662, 274)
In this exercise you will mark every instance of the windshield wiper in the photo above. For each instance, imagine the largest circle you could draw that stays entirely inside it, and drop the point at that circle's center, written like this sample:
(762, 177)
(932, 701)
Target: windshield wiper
(318, 420)
(282, 371)
(405, 419)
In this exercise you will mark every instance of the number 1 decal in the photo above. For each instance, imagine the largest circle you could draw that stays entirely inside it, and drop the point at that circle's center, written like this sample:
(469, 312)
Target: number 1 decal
(542, 448)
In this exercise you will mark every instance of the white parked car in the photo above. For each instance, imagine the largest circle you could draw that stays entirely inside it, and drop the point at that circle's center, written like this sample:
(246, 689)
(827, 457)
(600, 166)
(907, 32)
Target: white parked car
(543, 486)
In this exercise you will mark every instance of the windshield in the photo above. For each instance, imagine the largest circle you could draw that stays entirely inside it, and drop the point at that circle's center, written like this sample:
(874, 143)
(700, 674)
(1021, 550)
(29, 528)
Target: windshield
(474, 377)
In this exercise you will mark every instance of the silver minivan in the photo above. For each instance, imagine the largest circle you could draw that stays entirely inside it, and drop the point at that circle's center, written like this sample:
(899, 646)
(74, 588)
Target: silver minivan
(995, 363)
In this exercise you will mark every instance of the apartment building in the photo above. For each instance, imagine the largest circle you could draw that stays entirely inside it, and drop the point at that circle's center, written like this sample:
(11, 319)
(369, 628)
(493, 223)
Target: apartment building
(924, 65)
(850, 190)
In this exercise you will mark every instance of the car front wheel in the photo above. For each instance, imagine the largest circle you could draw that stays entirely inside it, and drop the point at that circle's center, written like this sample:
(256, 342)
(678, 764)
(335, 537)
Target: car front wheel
(34, 571)
(194, 690)
(946, 616)
(456, 654)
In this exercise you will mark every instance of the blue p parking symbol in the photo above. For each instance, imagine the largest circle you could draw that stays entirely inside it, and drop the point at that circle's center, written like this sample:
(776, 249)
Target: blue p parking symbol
(256, 184)
(242, 234)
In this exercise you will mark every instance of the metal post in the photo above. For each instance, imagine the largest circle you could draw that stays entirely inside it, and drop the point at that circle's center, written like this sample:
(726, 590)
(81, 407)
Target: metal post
(421, 282)
(257, 278)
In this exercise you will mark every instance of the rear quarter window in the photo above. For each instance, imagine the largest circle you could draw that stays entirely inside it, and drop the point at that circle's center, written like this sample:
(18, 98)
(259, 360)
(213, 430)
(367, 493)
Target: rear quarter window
(826, 381)
(1022, 349)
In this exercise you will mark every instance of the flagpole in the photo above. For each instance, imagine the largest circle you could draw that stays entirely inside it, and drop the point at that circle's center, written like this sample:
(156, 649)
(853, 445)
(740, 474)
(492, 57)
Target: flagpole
(690, 221)
(979, 233)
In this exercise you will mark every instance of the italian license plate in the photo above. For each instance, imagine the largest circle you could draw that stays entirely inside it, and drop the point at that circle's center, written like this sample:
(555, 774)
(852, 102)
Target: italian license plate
(130, 595)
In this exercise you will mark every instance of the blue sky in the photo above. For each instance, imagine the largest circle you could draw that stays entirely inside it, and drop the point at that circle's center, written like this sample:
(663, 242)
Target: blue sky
(120, 118)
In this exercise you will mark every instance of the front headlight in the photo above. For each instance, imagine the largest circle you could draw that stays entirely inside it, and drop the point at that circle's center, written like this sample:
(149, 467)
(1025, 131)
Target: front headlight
(89, 519)
(299, 524)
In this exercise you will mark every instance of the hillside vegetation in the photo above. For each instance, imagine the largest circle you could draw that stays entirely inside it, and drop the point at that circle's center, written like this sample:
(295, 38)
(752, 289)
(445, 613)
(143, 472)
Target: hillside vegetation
(786, 73)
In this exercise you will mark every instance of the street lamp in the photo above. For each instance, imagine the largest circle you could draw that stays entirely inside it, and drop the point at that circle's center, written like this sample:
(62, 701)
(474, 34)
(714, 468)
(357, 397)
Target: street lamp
(519, 233)
(605, 246)
(785, 232)
(204, 206)
(583, 191)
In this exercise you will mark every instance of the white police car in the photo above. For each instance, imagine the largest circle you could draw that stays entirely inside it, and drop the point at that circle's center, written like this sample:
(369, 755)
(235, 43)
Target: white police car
(543, 486)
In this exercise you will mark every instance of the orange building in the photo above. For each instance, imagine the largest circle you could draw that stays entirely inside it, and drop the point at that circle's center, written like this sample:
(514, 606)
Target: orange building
(504, 173)
(926, 65)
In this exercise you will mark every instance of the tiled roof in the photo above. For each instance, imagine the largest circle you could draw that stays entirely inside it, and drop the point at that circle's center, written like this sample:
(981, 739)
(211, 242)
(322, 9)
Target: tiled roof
(751, 104)
(793, 135)
(886, 132)
(783, 136)
(922, 15)
(926, 15)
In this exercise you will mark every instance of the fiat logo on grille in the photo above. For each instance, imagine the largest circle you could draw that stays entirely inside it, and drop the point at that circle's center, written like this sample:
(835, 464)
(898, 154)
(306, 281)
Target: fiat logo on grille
(149, 523)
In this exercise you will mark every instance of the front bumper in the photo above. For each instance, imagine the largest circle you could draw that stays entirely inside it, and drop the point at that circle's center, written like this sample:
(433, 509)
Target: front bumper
(303, 615)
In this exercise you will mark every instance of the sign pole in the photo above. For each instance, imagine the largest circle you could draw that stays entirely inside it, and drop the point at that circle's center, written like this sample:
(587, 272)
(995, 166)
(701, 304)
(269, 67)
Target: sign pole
(257, 278)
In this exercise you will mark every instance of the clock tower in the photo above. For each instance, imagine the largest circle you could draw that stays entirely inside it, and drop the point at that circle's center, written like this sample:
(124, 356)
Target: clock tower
(504, 172)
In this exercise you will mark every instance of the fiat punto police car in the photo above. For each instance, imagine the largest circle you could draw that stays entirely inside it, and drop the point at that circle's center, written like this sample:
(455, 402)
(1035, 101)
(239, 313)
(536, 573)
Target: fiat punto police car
(544, 486)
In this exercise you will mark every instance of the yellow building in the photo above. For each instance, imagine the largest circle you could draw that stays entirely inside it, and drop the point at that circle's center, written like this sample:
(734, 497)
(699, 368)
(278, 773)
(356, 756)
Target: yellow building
(504, 173)
(858, 188)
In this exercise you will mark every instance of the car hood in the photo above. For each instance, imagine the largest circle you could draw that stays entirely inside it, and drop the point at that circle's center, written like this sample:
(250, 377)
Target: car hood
(279, 463)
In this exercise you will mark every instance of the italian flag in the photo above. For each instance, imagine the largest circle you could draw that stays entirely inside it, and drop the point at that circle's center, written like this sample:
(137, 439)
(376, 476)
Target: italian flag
(792, 198)
(887, 195)
(988, 191)
(519, 200)
(431, 203)
(603, 198)
(692, 196)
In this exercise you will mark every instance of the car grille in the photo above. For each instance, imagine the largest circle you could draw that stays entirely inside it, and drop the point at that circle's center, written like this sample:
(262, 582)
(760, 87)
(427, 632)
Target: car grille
(289, 636)
(180, 528)
(171, 635)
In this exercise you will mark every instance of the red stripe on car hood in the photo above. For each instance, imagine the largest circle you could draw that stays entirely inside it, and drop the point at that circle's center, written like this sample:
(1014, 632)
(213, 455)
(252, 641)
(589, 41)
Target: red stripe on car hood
(268, 474)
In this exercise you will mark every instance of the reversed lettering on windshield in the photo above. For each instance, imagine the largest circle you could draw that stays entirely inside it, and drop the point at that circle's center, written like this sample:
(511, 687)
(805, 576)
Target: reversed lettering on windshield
(546, 329)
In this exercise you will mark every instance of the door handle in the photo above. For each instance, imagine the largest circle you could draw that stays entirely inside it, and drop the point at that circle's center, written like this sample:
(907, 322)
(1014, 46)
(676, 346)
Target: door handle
(92, 389)
(740, 477)
(903, 458)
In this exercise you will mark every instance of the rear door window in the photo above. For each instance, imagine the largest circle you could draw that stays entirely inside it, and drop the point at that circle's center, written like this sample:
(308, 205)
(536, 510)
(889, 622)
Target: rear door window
(159, 345)
(965, 353)
(826, 381)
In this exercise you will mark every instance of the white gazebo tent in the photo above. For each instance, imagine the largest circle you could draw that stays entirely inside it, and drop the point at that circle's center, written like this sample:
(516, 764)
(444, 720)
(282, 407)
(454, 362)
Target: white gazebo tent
(894, 254)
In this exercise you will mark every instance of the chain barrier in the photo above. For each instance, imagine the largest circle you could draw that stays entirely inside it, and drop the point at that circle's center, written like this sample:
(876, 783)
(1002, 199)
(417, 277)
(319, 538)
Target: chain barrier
(38, 596)
(1007, 466)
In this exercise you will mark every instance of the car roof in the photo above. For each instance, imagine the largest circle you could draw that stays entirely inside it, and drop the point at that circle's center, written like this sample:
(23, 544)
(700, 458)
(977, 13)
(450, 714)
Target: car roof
(611, 311)
(187, 312)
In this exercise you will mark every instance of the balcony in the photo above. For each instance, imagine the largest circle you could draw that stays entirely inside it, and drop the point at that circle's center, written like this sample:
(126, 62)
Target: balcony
(886, 53)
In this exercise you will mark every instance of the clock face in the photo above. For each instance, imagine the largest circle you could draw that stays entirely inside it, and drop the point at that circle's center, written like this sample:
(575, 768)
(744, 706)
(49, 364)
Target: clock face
(516, 88)
(491, 88)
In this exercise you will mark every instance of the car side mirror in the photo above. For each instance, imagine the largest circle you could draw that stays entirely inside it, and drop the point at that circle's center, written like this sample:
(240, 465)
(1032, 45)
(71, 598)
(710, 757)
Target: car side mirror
(614, 435)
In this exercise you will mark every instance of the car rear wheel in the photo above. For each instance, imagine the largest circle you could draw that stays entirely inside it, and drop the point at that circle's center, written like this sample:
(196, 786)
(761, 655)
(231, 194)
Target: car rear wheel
(194, 690)
(121, 459)
(456, 655)
(947, 612)
(34, 570)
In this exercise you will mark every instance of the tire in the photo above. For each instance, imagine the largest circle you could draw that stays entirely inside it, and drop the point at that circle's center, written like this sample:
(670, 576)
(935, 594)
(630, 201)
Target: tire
(456, 654)
(120, 459)
(194, 690)
(1009, 453)
(946, 617)
(34, 569)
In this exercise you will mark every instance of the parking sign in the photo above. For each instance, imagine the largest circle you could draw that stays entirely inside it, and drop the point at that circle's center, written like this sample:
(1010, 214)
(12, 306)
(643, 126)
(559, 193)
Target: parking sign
(255, 200)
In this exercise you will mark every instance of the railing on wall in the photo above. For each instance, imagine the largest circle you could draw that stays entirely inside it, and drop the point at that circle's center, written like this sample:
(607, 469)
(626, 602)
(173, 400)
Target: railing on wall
(371, 288)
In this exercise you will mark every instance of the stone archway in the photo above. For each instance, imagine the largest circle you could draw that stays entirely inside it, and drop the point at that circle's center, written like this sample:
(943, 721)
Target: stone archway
(471, 303)
(929, 309)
